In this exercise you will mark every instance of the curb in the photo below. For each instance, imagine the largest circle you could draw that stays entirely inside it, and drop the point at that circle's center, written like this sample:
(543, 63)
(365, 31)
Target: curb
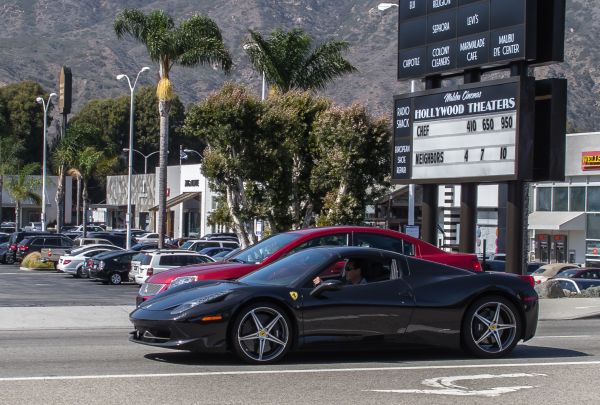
(34, 269)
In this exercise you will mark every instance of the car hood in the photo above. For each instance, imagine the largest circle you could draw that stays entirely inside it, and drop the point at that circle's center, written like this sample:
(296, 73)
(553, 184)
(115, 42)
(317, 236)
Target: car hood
(173, 299)
(203, 271)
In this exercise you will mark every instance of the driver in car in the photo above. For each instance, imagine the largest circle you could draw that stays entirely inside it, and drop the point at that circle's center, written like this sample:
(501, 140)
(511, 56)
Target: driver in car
(353, 274)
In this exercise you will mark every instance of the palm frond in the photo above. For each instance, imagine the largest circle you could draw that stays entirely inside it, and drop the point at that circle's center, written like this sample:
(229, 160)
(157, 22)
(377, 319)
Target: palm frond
(324, 65)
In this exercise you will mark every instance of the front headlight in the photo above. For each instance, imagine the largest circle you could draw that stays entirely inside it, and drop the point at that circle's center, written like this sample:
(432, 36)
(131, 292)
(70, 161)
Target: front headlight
(199, 301)
(183, 280)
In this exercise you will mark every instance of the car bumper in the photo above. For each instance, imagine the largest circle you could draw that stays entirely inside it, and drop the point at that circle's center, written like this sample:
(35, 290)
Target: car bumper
(140, 278)
(180, 335)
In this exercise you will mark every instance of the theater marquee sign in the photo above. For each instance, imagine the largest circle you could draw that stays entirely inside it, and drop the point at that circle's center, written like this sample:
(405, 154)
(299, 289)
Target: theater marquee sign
(590, 160)
(466, 133)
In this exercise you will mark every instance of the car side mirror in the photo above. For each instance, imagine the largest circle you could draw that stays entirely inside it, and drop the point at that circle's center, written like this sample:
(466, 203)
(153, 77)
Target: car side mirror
(329, 285)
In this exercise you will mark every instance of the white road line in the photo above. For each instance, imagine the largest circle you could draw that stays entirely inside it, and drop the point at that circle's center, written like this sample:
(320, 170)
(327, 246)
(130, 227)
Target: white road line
(565, 337)
(300, 371)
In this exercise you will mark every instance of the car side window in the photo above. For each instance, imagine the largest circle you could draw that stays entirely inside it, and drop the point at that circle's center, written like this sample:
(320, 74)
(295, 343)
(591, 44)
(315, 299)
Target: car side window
(567, 285)
(338, 239)
(66, 242)
(384, 242)
(167, 261)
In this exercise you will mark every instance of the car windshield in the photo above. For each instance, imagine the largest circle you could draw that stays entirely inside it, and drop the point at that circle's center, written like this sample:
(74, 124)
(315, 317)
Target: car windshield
(259, 252)
(568, 273)
(289, 270)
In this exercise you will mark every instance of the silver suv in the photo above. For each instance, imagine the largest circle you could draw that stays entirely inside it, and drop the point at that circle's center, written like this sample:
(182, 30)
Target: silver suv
(149, 262)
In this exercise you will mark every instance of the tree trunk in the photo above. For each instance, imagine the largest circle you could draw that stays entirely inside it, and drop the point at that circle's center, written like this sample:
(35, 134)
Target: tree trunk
(1, 190)
(17, 215)
(84, 197)
(163, 109)
(60, 199)
(78, 207)
(238, 224)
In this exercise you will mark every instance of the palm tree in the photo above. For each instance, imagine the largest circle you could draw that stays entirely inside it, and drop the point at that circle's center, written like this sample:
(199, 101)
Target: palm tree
(196, 41)
(21, 186)
(85, 165)
(289, 62)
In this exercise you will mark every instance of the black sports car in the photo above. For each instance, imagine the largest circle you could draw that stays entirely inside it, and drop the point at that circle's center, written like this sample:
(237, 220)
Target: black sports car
(318, 295)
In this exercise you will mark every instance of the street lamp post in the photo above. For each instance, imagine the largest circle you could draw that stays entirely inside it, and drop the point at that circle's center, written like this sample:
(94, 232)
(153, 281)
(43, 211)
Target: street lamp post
(128, 216)
(385, 6)
(144, 156)
(264, 80)
(45, 105)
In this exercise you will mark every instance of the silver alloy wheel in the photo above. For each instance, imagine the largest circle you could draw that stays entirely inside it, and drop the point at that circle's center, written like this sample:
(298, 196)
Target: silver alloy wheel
(493, 327)
(115, 278)
(263, 334)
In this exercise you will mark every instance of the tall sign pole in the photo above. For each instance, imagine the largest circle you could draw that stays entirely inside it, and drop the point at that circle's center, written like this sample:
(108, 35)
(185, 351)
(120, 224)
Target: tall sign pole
(64, 108)
(480, 131)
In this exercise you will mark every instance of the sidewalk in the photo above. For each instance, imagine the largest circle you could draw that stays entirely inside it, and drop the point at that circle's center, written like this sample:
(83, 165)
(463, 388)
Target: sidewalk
(569, 308)
(117, 317)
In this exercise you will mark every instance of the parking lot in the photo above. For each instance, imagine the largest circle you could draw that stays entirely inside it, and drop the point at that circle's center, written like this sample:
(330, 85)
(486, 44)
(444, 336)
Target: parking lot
(36, 288)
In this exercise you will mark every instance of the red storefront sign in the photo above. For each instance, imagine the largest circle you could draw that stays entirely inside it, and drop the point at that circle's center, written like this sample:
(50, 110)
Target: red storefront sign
(590, 160)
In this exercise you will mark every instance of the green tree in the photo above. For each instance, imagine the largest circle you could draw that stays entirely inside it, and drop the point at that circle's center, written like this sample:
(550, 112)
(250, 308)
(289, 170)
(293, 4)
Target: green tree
(196, 41)
(290, 62)
(352, 163)
(24, 117)
(289, 119)
(20, 186)
(10, 150)
(236, 157)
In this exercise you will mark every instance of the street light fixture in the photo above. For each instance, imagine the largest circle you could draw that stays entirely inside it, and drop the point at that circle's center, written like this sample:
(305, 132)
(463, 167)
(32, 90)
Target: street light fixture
(132, 88)
(193, 151)
(385, 6)
(45, 105)
(145, 157)
(264, 81)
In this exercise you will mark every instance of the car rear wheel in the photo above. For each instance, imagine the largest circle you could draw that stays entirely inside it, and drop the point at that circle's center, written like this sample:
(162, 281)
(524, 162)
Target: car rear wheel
(115, 279)
(78, 272)
(261, 334)
(10, 259)
(491, 327)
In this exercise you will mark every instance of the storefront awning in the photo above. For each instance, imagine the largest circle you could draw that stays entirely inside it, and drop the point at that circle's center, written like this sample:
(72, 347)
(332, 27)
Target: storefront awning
(177, 200)
(557, 221)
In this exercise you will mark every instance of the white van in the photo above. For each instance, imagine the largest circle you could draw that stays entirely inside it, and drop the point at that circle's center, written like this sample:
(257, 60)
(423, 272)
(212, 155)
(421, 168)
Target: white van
(199, 244)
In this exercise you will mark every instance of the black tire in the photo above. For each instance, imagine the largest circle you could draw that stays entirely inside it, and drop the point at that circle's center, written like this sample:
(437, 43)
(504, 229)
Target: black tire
(10, 259)
(78, 272)
(115, 279)
(245, 326)
(491, 327)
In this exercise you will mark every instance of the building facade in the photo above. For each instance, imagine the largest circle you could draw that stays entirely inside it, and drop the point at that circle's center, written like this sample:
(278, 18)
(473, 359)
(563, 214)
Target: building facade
(565, 222)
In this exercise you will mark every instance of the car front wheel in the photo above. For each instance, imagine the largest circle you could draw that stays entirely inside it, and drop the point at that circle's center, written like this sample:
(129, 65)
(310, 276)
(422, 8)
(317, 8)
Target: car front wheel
(491, 327)
(261, 334)
(115, 279)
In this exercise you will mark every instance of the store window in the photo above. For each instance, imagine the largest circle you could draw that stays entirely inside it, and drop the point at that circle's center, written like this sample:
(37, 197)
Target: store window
(544, 198)
(593, 226)
(577, 199)
(593, 199)
(560, 199)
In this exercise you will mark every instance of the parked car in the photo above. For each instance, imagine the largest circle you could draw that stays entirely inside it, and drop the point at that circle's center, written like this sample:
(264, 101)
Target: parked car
(152, 245)
(3, 251)
(222, 235)
(280, 245)
(73, 263)
(533, 266)
(15, 239)
(47, 242)
(500, 265)
(4, 237)
(219, 257)
(117, 238)
(212, 251)
(91, 241)
(8, 227)
(147, 263)
(401, 299)
(576, 285)
(589, 273)
(112, 267)
(33, 226)
(79, 231)
(551, 270)
(199, 244)
(147, 237)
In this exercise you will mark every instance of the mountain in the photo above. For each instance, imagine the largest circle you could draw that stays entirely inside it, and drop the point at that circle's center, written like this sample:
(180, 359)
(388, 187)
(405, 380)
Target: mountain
(38, 36)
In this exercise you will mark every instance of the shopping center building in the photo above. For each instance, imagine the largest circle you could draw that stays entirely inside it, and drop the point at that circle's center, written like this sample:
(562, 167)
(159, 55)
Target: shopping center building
(565, 223)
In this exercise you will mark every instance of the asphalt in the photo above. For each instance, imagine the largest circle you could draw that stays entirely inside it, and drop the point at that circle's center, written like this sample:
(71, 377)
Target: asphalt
(116, 317)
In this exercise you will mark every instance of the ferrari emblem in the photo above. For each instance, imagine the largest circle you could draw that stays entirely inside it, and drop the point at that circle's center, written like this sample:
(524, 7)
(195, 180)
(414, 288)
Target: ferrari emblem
(294, 295)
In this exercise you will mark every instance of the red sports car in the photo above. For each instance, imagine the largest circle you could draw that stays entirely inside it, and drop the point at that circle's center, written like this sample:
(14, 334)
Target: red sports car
(277, 246)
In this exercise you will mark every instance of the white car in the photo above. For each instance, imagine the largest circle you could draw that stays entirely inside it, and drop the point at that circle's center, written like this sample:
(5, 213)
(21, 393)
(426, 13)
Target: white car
(73, 262)
(149, 262)
(147, 237)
